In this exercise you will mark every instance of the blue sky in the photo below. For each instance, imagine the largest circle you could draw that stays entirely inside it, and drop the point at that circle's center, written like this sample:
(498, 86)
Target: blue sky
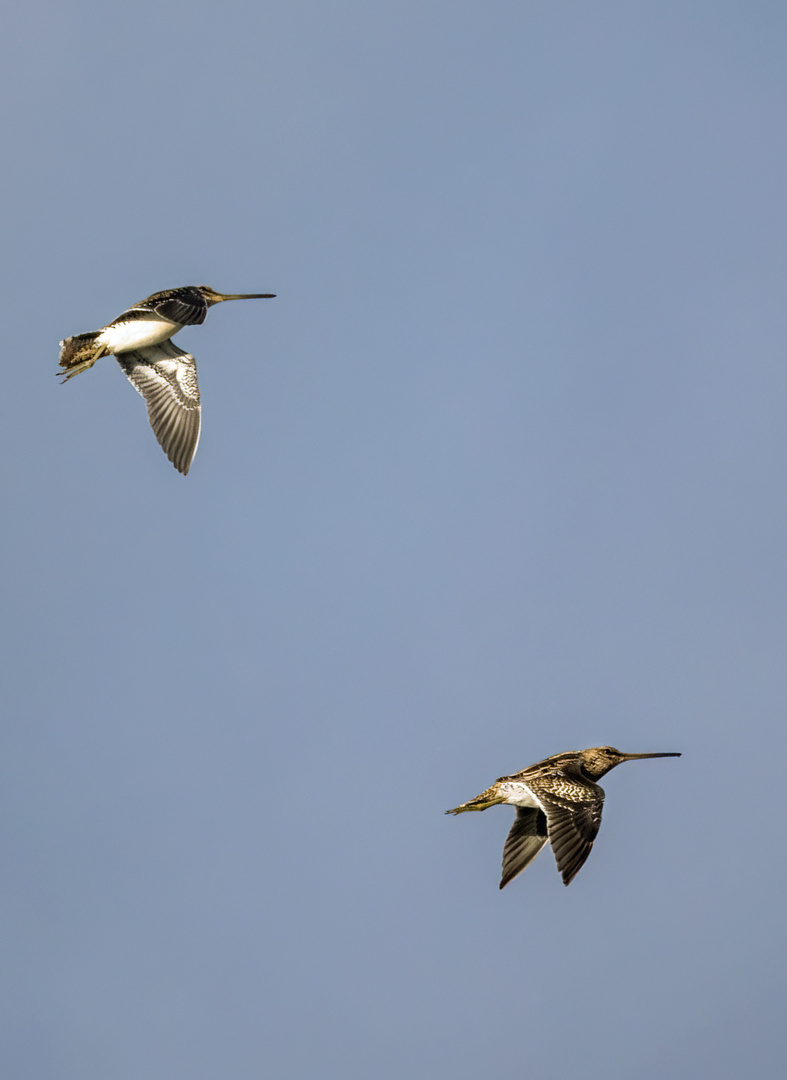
(500, 473)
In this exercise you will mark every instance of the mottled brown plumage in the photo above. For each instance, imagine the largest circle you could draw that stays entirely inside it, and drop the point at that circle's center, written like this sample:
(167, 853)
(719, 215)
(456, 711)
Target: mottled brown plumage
(557, 801)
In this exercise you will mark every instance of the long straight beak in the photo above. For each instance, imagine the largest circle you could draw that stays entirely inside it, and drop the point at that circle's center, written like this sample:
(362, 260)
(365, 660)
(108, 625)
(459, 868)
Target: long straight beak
(635, 757)
(246, 296)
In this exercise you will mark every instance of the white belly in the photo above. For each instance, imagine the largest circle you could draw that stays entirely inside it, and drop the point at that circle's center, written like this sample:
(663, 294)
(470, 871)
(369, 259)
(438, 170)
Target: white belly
(520, 795)
(137, 333)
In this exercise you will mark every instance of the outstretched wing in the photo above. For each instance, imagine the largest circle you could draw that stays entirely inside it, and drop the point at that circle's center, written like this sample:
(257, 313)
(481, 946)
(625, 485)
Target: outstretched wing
(166, 377)
(528, 835)
(572, 829)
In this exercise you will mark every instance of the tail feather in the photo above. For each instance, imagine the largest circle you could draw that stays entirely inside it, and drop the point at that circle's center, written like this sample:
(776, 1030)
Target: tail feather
(75, 350)
(481, 802)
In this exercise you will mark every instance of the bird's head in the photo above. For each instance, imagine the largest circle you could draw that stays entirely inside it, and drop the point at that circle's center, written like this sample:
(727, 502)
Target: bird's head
(597, 761)
(213, 297)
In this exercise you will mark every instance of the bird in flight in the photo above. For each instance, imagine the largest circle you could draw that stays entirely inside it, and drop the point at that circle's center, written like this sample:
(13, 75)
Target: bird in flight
(164, 375)
(557, 801)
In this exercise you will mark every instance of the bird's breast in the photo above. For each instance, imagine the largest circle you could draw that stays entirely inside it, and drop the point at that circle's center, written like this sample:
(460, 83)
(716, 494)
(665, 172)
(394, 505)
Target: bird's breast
(121, 337)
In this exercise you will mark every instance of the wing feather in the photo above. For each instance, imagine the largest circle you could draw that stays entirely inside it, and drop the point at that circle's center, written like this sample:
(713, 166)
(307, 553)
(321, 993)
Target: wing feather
(185, 306)
(572, 829)
(527, 836)
(166, 377)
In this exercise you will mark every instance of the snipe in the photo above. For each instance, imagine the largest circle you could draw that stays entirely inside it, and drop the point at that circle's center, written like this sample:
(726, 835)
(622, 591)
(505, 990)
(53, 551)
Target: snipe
(557, 801)
(164, 375)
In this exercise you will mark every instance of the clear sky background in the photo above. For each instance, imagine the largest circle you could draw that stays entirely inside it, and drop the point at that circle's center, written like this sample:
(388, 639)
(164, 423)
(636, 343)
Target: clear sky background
(501, 472)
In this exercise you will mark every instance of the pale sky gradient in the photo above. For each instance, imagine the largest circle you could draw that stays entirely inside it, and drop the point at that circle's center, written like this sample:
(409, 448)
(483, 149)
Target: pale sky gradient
(500, 473)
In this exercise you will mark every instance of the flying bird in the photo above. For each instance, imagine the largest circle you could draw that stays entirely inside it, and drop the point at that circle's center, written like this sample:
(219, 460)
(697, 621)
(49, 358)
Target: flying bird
(557, 801)
(164, 375)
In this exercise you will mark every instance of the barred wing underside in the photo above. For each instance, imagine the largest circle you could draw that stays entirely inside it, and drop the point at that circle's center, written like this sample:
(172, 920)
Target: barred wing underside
(166, 377)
